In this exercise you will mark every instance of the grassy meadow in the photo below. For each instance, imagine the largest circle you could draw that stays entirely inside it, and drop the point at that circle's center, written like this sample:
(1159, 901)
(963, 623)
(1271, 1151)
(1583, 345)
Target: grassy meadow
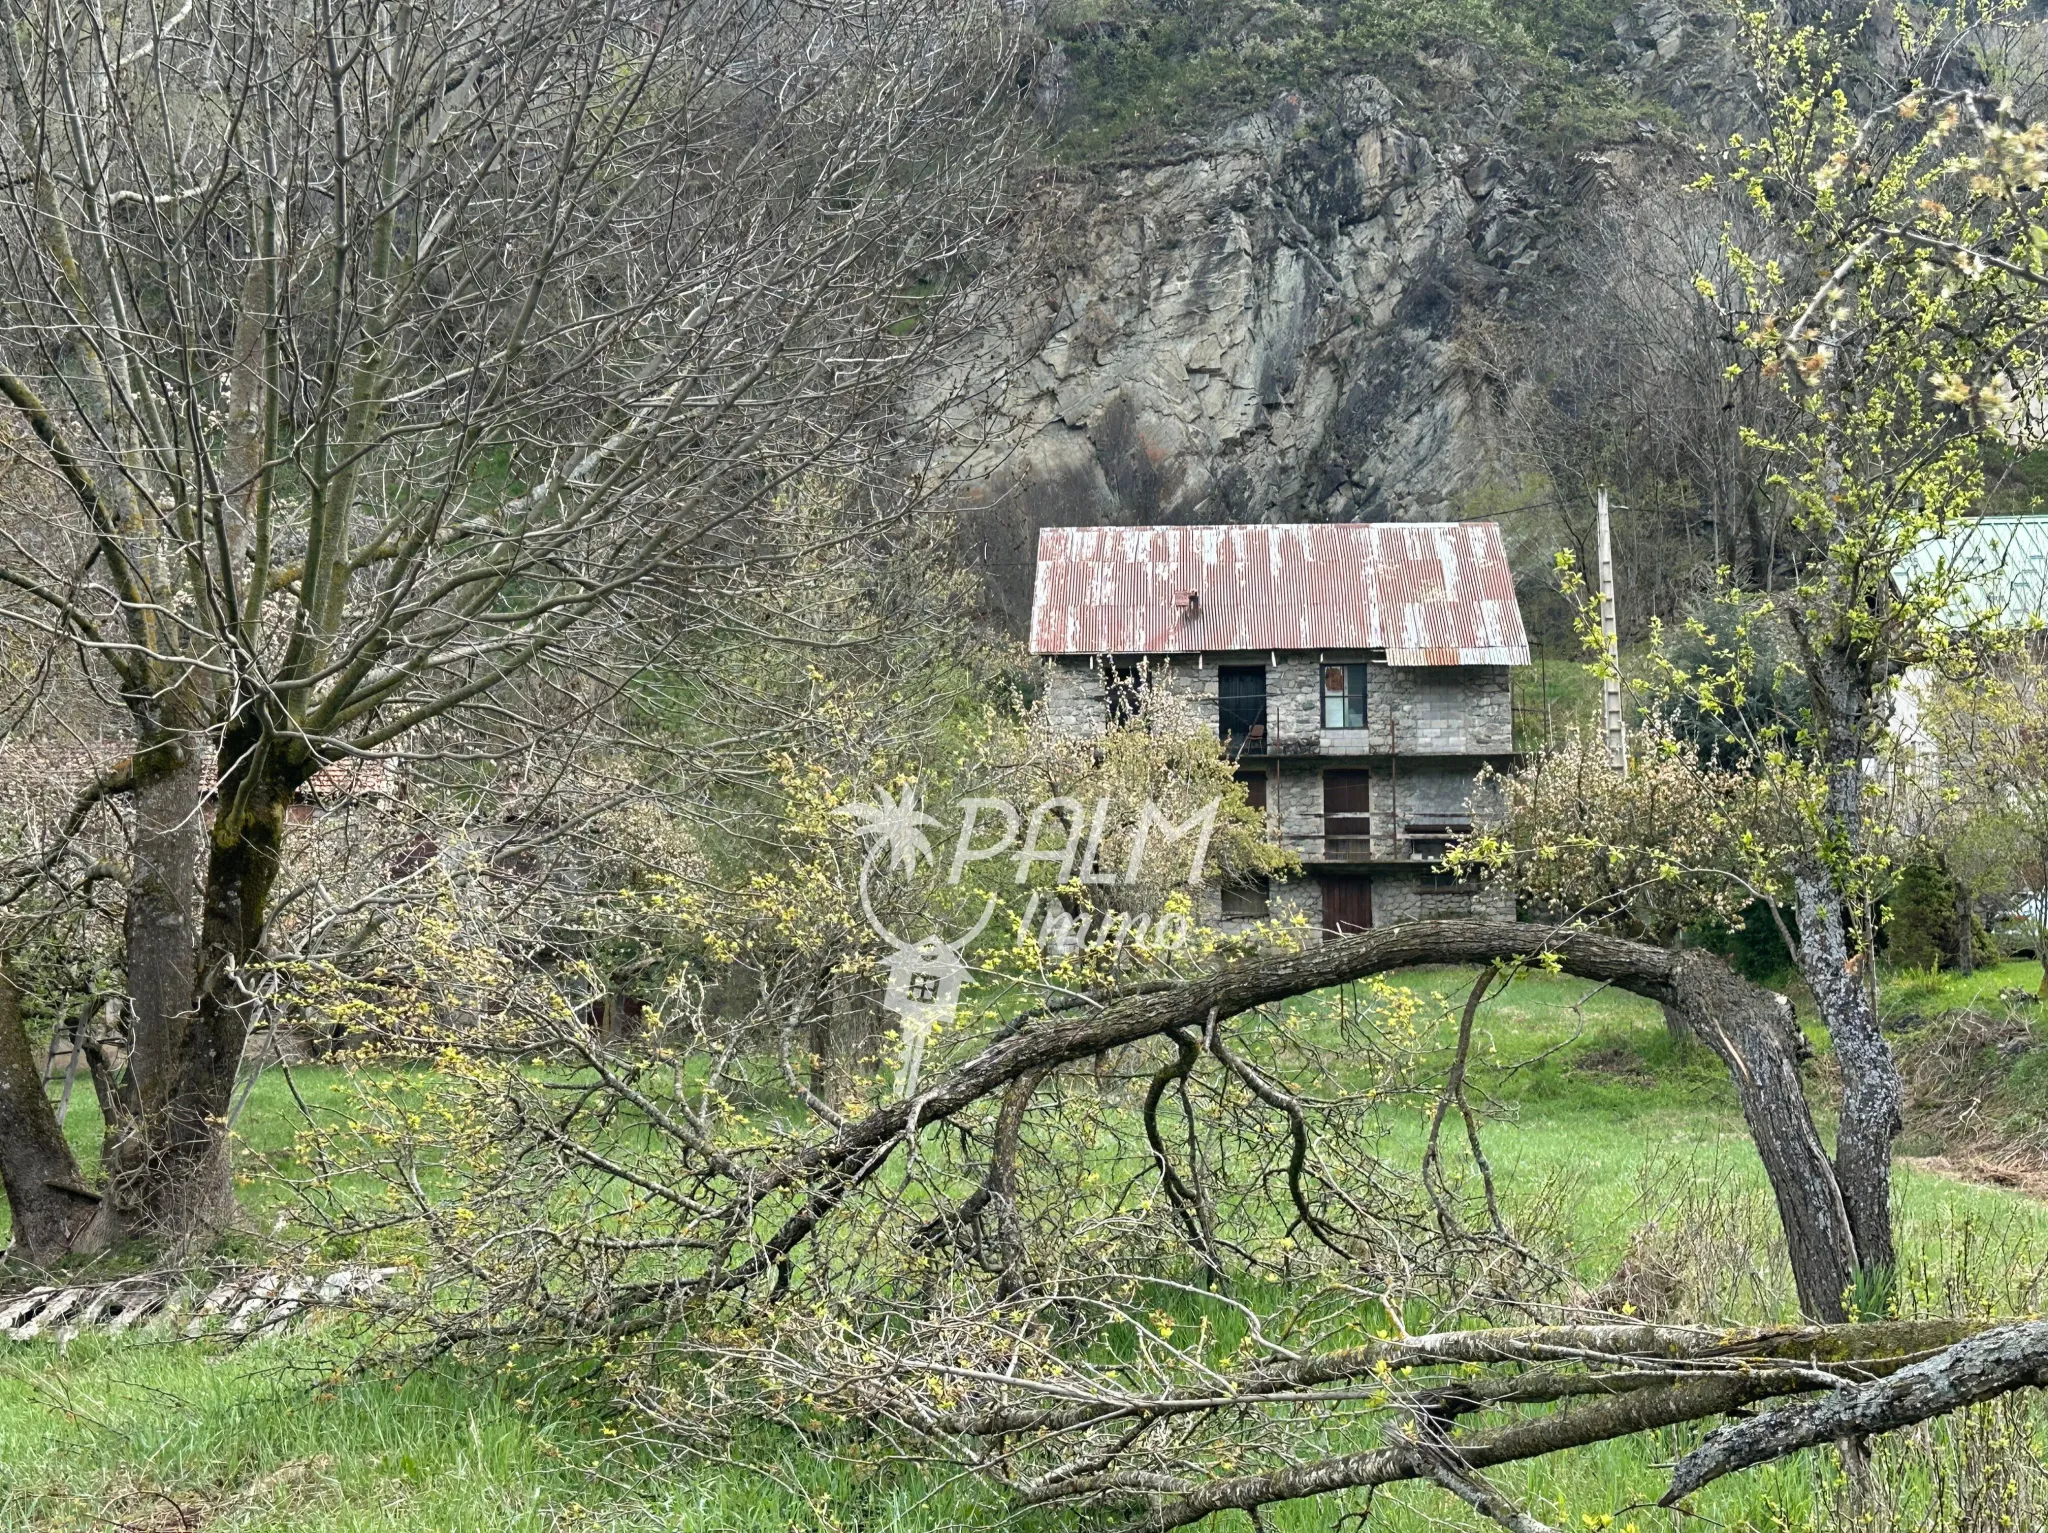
(1623, 1147)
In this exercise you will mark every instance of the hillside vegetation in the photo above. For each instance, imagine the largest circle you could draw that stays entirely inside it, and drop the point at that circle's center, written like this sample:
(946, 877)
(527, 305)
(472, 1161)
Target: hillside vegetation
(1131, 77)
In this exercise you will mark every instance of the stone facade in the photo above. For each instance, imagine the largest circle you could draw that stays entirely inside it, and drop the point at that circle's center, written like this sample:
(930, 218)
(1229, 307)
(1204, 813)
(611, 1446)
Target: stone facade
(1428, 733)
(1410, 710)
(1073, 697)
(1075, 692)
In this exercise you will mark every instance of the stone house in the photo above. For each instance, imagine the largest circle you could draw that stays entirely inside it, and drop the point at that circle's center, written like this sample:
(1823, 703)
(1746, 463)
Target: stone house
(1359, 675)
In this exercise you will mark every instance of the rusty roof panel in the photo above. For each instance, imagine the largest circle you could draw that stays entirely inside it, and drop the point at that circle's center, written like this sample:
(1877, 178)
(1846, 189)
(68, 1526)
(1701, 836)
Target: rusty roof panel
(1428, 593)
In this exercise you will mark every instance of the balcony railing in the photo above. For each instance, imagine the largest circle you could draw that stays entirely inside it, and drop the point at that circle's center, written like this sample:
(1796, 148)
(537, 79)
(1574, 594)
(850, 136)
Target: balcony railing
(1247, 740)
(1356, 838)
(1339, 743)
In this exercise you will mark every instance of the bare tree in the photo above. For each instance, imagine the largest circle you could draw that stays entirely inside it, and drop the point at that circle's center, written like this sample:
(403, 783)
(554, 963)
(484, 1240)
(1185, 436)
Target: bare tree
(1630, 391)
(379, 353)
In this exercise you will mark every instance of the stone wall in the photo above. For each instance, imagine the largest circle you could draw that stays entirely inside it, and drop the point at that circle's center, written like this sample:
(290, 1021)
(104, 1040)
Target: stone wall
(1410, 710)
(1429, 720)
(1073, 698)
(1444, 710)
(1292, 700)
(1294, 803)
(1401, 895)
(1299, 899)
(1075, 690)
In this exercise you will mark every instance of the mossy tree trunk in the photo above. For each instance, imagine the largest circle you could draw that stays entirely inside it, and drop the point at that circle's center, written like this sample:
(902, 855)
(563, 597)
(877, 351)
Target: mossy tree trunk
(54, 1213)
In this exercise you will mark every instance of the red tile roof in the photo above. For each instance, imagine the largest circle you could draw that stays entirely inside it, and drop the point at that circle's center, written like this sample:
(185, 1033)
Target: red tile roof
(1428, 593)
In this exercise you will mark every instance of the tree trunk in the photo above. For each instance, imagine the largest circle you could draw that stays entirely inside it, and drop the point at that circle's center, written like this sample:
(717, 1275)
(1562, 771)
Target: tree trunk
(165, 1177)
(188, 940)
(1845, 693)
(846, 1041)
(1676, 1028)
(1871, 1090)
(54, 1213)
(1972, 1371)
(1748, 1028)
(1966, 936)
(818, 1043)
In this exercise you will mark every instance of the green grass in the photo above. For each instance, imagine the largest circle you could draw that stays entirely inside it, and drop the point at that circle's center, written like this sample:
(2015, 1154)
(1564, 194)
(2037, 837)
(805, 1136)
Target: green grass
(1931, 992)
(1597, 1113)
(1598, 1126)
(113, 1432)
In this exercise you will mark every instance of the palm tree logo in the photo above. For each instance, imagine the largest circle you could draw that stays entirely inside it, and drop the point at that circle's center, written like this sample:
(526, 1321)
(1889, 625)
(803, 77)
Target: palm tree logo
(894, 827)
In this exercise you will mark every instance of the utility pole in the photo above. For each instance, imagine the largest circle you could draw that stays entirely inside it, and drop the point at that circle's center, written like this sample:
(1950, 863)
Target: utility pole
(1610, 688)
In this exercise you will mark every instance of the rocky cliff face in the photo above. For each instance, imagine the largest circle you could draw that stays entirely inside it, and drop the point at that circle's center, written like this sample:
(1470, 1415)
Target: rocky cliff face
(1277, 326)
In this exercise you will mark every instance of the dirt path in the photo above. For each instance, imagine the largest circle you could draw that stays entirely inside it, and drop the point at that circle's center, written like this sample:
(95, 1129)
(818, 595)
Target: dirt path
(2015, 1171)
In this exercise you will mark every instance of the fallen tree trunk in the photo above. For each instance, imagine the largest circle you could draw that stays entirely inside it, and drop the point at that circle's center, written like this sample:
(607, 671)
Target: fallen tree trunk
(1617, 1415)
(1856, 1351)
(1904, 1385)
(1118, 1445)
(1745, 1024)
(1996, 1362)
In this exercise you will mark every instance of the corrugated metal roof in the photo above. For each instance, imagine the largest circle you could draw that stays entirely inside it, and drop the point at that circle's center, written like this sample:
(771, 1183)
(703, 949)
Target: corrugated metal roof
(1428, 593)
(2003, 562)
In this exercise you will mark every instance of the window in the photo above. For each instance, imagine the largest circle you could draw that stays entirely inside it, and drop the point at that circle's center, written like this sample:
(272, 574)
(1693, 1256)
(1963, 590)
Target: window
(1347, 815)
(1435, 839)
(1248, 897)
(1123, 683)
(1254, 784)
(1343, 697)
(1241, 709)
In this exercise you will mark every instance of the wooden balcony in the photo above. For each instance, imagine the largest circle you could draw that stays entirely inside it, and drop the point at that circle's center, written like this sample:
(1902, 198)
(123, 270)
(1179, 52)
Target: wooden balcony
(1349, 744)
(1351, 839)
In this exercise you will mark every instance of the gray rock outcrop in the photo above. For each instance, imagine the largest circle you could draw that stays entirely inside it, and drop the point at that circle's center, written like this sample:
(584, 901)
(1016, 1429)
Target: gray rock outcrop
(1264, 330)
(1293, 320)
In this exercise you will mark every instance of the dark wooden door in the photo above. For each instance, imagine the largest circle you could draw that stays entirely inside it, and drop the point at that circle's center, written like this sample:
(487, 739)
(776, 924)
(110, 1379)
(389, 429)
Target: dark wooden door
(1347, 815)
(1347, 903)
